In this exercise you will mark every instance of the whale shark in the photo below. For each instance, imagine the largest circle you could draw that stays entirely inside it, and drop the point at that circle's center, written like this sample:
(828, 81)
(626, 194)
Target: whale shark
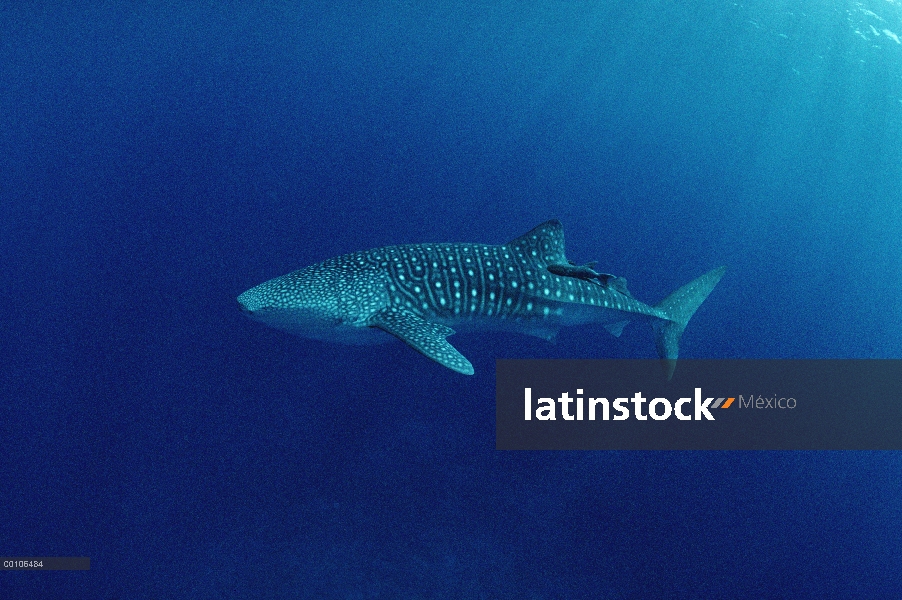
(423, 293)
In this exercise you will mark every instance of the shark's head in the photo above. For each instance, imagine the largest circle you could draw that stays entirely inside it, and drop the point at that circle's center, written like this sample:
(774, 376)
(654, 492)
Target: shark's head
(303, 302)
(327, 301)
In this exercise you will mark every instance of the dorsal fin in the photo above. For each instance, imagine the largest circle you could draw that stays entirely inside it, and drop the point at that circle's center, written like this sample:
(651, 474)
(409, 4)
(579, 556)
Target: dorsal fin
(544, 244)
(619, 284)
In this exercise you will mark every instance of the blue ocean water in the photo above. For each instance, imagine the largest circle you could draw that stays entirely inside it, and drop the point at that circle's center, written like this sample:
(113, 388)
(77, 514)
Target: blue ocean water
(159, 158)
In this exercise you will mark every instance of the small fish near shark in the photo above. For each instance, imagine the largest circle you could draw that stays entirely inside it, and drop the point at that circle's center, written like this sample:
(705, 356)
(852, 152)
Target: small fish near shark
(588, 273)
(423, 293)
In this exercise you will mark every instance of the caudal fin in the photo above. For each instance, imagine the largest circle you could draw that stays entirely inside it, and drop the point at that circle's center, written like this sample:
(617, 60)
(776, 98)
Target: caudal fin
(678, 308)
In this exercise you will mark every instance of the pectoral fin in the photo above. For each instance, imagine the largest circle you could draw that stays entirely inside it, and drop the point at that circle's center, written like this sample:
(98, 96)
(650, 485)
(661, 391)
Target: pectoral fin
(421, 335)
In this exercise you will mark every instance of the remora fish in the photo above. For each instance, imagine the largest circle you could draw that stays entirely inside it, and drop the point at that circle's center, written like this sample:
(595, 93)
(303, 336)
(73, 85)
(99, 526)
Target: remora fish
(422, 293)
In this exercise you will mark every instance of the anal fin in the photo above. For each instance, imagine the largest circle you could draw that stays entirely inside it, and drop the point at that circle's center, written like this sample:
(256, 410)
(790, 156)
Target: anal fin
(423, 336)
(616, 328)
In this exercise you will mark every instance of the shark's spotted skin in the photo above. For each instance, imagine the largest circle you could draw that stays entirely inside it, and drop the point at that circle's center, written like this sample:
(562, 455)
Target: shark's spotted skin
(418, 292)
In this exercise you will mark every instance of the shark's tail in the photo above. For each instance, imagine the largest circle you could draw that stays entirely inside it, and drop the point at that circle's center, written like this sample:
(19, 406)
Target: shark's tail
(679, 308)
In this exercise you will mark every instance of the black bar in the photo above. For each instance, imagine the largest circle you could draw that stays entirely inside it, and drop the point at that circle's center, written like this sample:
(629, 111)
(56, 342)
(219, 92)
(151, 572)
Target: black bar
(45, 563)
(777, 405)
